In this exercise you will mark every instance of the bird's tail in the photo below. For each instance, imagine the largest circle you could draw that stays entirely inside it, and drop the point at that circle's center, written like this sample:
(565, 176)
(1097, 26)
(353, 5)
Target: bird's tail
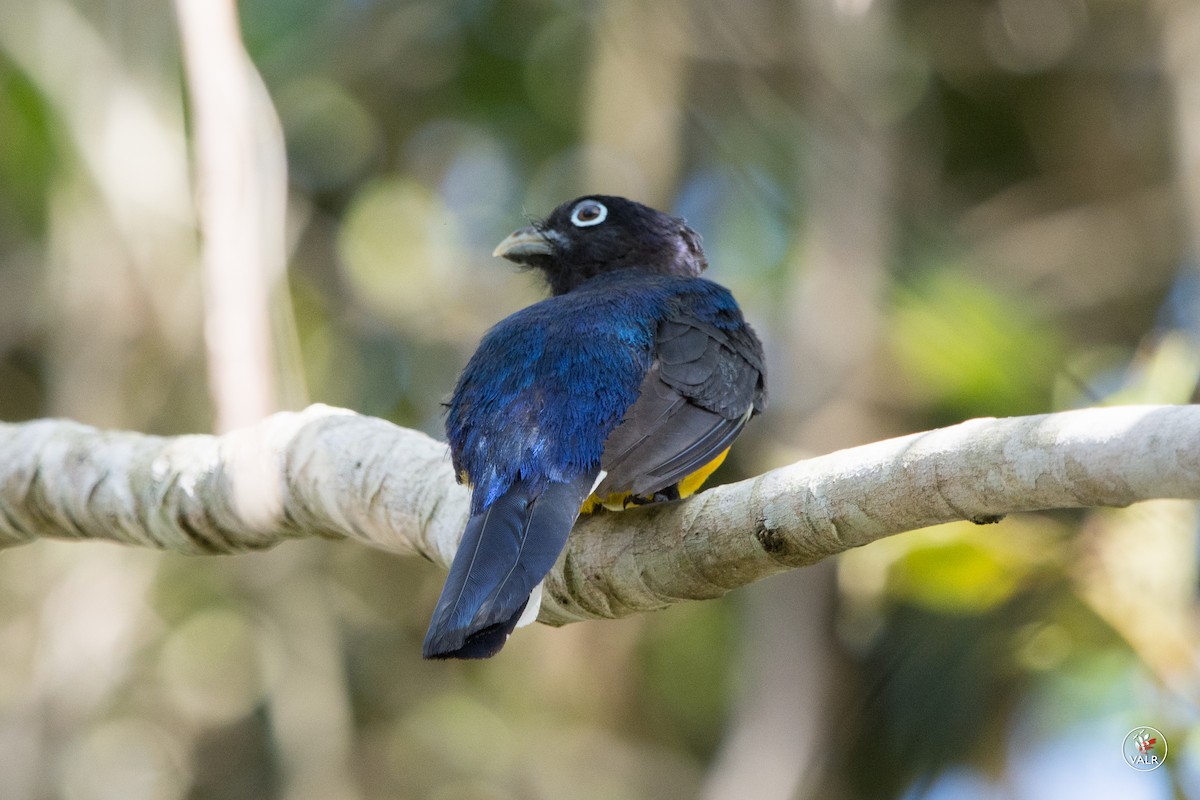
(505, 552)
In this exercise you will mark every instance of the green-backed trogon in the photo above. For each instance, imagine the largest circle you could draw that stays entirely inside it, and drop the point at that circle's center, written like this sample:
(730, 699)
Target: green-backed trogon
(626, 386)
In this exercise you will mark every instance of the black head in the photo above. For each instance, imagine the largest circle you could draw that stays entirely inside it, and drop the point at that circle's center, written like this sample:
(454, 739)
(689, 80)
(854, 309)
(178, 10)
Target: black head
(601, 233)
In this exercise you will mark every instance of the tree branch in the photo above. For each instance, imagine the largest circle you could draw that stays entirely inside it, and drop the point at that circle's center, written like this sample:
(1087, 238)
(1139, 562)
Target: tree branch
(329, 472)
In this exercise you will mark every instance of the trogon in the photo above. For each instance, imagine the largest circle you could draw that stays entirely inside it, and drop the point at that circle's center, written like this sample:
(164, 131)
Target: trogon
(626, 386)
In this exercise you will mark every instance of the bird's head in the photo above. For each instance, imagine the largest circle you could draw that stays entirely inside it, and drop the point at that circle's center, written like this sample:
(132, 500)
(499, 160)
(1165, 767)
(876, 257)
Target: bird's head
(599, 233)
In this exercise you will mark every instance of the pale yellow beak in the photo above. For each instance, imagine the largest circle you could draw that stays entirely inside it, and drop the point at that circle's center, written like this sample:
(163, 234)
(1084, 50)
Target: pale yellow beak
(524, 243)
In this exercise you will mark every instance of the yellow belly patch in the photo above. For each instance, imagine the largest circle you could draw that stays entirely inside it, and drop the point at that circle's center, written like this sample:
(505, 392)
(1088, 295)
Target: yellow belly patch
(692, 483)
(687, 487)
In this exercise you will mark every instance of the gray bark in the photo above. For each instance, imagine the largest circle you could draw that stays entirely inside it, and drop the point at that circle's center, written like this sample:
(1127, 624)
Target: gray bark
(329, 472)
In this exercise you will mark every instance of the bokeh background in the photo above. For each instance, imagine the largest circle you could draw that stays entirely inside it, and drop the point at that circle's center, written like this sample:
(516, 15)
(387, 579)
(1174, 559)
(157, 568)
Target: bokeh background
(930, 209)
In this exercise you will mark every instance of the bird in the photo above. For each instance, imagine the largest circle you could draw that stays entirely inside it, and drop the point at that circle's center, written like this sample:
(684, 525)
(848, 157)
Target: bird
(626, 386)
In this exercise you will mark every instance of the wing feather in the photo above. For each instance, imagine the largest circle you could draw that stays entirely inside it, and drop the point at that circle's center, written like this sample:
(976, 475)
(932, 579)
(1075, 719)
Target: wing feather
(703, 385)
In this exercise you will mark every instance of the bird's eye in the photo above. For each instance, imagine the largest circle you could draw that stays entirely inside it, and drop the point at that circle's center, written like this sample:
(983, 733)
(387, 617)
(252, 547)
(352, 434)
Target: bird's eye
(588, 213)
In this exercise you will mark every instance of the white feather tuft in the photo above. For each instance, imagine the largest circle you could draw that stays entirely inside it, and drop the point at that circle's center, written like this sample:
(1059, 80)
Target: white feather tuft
(532, 607)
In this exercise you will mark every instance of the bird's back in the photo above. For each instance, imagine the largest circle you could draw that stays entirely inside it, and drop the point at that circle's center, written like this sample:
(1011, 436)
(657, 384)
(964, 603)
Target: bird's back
(549, 383)
(632, 380)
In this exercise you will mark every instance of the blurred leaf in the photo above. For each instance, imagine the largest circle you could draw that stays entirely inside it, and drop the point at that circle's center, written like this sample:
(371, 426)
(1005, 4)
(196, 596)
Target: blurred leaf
(209, 668)
(955, 576)
(969, 351)
(684, 653)
(1167, 373)
(27, 152)
(331, 138)
(940, 688)
(398, 250)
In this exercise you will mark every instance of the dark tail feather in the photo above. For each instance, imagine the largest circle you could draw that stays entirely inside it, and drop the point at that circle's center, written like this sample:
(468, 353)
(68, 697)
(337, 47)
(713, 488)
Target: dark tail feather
(504, 553)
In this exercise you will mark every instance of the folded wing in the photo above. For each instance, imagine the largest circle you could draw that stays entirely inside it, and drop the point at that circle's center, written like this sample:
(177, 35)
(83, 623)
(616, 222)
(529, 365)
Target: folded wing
(704, 383)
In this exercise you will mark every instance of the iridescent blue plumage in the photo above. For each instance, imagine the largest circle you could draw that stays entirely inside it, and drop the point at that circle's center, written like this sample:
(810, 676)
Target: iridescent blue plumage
(549, 383)
(634, 361)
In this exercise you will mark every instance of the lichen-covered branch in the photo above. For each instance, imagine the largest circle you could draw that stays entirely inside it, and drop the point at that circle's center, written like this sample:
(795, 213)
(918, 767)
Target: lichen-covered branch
(329, 472)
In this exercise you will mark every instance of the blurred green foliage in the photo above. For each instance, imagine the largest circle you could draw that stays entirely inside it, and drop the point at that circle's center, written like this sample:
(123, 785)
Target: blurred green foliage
(967, 350)
(26, 159)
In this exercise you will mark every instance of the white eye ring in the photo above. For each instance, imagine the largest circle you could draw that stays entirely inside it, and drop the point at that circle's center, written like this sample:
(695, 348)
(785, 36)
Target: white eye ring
(582, 217)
